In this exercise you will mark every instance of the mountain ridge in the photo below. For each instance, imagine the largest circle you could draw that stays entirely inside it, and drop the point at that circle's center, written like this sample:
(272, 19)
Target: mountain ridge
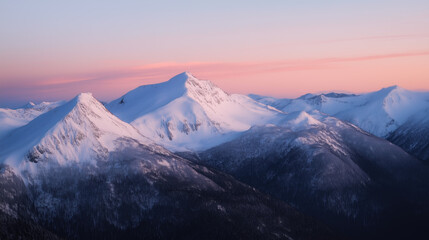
(80, 172)
(80, 127)
(331, 170)
(86, 160)
(14, 118)
(185, 110)
(380, 112)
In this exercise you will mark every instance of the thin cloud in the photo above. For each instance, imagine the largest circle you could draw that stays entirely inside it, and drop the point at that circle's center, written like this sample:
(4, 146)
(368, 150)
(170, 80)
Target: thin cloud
(166, 69)
(378, 57)
(113, 82)
(380, 37)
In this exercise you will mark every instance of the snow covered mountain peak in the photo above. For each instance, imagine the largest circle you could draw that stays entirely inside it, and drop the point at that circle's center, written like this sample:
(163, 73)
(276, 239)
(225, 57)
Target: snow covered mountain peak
(391, 88)
(182, 78)
(148, 98)
(325, 95)
(13, 118)
(379, 112)
(202, 91)
(385, 92)
(29, 105)
(41, 107)
(80, 130)
(303, 118)
(84, 97)
(188, 113)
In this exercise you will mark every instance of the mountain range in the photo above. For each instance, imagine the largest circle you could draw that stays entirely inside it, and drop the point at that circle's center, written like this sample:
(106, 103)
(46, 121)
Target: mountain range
(391, 113)
(184, 159)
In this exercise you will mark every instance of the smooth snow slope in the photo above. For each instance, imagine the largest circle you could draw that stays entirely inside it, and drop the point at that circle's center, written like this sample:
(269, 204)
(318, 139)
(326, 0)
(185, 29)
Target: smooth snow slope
(185, 113)
(13, 118)
(80, 130)
(379, 113)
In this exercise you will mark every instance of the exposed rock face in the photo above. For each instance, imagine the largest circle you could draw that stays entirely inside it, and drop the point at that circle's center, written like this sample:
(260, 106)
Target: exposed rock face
(413, 136)
(139, 193)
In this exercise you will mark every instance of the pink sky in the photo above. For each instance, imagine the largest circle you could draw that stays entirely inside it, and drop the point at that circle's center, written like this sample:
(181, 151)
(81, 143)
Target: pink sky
(287, 78)
(52, 51)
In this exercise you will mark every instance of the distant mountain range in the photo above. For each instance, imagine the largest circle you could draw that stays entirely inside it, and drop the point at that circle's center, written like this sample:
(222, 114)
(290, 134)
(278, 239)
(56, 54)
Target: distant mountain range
(13, 118)
(390, 113)
(162, 161)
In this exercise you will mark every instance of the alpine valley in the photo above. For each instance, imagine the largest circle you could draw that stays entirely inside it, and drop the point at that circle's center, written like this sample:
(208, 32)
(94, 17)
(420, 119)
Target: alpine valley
(183, 159)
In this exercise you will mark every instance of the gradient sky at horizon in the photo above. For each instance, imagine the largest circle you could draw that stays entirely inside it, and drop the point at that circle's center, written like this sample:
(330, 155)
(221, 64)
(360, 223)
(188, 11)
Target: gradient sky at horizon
(52, 50)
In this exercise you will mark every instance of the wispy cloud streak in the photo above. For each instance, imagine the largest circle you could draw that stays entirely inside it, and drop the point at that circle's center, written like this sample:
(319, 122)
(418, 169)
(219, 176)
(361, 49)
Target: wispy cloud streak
(377, 38)
(113, 82)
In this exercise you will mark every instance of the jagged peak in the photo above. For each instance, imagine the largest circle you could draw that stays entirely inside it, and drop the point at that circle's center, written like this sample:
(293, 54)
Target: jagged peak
(83, 117)
(29, 105)
(338, 95)
(187, 80)
(326, 95)
(301, 119)
(393, 87)
(182, 87)
(82, 104)
(84, 98)
(182, 78)
(60, 113)
(199, 90)
(303, 116)
(390, 89)
(179, 85)
(307, 96)
(384, 93)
